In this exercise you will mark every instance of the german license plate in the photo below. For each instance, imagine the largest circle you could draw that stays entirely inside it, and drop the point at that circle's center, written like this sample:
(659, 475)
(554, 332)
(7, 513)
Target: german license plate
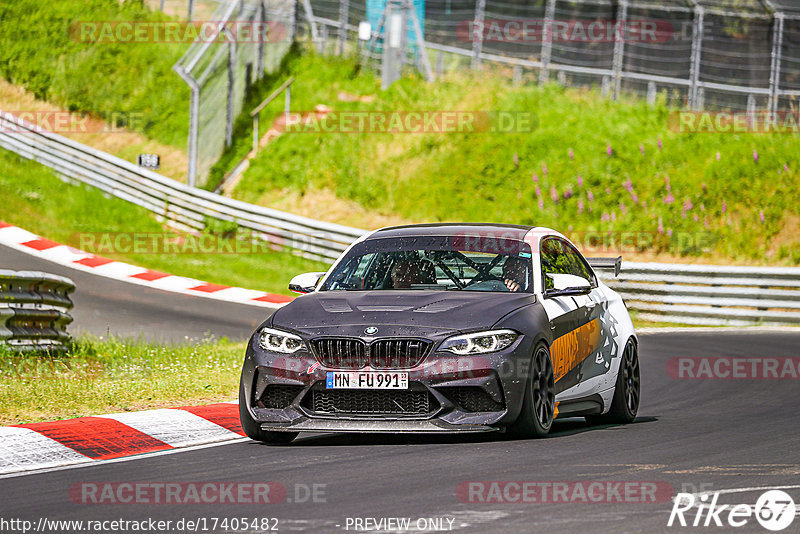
(365, 380)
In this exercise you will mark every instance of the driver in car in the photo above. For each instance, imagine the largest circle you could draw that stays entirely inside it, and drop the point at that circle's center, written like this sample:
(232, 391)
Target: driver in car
(404, 274)
(514, 273)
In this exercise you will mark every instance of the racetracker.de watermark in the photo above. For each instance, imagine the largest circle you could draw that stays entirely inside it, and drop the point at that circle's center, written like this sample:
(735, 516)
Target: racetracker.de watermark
(518, 30)
(733, 368)
(209, 31)
(734, 122)
(409, 122)
(161, 492)
(67, 122)
(171, 243)
(567, 492)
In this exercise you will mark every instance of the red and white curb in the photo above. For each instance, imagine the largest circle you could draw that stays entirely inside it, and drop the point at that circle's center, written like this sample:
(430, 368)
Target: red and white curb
(38, 446)
(22, 240)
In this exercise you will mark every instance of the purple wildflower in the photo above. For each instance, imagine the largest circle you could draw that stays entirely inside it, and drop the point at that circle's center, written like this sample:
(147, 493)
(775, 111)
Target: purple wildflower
(660, 144)
(535, 178)
(541, 204)
(641, 148)
(590, 196)
(571, 154)
(755, 156)
(609, 150)
(580, 180)
(718, 156)
(761, 215)
(553, 193)
(544, 169)
(635, 197)
(516, 160)
(724, 206)
(580, 206)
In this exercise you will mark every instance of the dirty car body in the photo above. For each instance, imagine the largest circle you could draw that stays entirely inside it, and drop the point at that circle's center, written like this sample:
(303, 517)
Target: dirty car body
(435, 328)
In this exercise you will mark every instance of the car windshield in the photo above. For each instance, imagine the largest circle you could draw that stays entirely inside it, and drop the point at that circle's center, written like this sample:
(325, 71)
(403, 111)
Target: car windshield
(435, 263)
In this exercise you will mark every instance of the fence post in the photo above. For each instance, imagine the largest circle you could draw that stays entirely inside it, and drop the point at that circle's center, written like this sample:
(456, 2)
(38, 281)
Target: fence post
(161, 5)
(312, 24)
(231, 82)
(697, 51)
(547, 40)
(775, 67)
(190, 10)
(477, 33)
(262, 18)
(194, 116)
(344, 15)
(619, 46)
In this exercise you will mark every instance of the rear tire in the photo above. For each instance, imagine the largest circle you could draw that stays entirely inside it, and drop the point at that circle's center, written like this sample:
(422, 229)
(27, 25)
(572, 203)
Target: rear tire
(625, 404)
(538, 403)
(252, 427)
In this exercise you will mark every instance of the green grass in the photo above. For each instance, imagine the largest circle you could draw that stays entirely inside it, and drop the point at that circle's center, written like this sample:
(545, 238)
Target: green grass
(718, 191)
(38, 201)
(107, 375)
(38, 53)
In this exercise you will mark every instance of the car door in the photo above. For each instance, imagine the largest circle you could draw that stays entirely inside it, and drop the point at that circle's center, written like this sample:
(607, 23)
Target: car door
(574, 320)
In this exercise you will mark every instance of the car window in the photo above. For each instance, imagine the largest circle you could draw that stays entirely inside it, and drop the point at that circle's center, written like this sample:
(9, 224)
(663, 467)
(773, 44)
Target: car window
(560, 257)
(438, 264)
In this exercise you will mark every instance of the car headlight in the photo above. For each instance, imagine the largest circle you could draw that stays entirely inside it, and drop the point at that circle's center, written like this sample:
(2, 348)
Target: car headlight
(278, 341)
(479, 342)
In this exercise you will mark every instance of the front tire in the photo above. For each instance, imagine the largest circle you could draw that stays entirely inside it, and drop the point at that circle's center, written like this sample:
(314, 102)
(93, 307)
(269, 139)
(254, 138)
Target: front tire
(627, 388)
(252, 427)
(539, 401)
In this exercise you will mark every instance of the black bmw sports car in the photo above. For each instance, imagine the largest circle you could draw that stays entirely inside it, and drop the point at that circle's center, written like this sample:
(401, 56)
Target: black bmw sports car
(444, 328)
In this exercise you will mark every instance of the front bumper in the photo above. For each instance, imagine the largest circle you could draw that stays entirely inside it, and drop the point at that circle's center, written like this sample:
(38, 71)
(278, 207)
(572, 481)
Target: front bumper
(494, 385)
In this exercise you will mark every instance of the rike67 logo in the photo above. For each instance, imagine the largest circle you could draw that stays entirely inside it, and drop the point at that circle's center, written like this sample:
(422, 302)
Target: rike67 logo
(774, 510)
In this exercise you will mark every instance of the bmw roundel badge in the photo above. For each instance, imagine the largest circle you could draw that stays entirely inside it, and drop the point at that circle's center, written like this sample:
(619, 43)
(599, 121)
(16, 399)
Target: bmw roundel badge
(371, 330)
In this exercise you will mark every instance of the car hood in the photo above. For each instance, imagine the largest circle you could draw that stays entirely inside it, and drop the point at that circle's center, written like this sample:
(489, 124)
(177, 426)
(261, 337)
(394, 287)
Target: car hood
(349, 312)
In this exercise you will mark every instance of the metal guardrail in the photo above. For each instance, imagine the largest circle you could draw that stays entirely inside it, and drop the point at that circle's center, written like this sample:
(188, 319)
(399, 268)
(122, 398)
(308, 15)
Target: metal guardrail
(34, 310)
(709, 294)
(185, 206)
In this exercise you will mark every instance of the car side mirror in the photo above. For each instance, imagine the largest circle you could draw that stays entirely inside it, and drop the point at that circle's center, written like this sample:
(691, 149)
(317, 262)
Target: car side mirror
(305, 283)
(567, 284)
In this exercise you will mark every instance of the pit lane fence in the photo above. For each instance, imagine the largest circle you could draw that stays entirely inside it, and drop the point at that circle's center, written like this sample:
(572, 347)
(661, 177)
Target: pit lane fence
(34, 310)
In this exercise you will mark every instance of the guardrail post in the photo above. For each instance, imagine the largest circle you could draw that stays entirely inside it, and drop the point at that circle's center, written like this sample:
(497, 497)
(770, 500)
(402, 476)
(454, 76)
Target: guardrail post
(619, 46)
(697, 51)
(190, 10)
(775, 67)
(651, 93)
(161, 5)
(344, 15)
(477, 33)
(547, 40)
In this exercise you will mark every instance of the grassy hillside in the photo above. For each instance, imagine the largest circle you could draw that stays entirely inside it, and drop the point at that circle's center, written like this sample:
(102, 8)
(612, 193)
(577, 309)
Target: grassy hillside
(38, 53)
(590, 165)
(35, 199)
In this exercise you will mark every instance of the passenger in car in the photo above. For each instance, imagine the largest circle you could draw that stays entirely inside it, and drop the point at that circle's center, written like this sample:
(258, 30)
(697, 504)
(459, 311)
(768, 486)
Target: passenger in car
(514, 273)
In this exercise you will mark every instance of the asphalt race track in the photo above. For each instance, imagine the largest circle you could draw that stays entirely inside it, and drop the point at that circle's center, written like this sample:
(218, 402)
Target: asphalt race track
(104, 305)
(691, 435)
